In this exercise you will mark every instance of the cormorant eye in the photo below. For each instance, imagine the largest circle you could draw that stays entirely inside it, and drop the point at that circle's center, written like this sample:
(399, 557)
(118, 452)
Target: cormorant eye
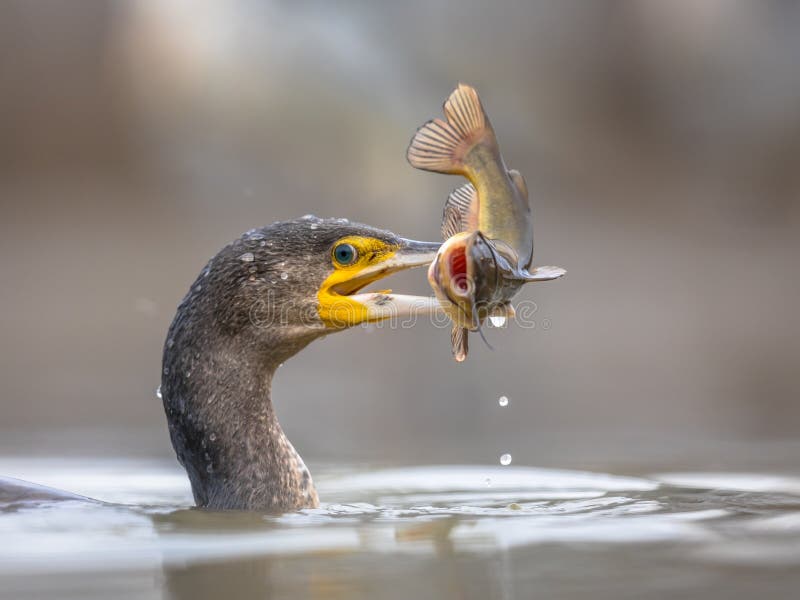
(345, 254)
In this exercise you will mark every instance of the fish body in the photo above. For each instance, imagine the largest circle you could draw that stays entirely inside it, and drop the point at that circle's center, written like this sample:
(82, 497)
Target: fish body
(487, 223)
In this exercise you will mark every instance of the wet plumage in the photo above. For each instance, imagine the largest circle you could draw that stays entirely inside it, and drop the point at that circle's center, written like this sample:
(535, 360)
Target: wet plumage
(258, 302)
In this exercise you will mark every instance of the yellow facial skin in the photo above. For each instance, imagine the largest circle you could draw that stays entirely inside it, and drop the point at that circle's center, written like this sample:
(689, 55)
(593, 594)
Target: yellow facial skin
(336, 308)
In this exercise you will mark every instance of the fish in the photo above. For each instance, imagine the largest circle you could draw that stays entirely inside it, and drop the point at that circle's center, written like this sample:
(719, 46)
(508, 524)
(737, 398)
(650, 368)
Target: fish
(487, 223)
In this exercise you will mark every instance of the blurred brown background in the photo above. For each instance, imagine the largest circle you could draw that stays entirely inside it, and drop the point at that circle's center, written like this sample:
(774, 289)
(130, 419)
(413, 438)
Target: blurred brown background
(660, 141)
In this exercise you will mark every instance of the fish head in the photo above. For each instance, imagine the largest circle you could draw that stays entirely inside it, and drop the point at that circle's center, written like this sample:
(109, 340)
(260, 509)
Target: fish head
(464, 277)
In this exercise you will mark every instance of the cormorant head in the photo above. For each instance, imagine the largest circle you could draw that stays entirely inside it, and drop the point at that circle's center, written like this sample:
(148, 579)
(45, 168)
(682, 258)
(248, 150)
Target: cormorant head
(258, 302)
(292, 281)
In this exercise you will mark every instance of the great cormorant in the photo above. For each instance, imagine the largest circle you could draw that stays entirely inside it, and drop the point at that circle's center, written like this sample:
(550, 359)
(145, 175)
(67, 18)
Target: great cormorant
(257, 303)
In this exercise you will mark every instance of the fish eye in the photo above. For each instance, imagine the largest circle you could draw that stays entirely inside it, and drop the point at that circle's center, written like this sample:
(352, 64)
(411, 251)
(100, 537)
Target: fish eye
(345, 254)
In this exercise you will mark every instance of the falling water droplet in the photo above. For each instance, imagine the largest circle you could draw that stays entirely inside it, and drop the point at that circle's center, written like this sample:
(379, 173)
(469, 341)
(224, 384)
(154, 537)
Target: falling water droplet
(262, 243)
(488, 482)
(505, 460)
(158, 392)
(503, 401)
(247, 257)
(166, 370)
(497, 321)
(212, 436)
(284, 276)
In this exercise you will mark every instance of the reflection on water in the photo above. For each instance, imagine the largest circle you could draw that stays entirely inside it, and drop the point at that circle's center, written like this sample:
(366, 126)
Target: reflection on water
(428, 532)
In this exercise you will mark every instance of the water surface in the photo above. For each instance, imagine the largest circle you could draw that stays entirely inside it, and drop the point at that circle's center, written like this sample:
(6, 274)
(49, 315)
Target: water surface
(422, 532)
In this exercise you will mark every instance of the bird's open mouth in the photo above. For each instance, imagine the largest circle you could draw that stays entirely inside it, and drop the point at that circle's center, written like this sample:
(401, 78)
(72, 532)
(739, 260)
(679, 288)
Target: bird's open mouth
(361, 280)
(341, 304)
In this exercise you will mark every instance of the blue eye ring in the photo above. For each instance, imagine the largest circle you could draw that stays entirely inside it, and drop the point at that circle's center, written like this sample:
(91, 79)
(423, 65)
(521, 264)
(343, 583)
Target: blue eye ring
(345, 254)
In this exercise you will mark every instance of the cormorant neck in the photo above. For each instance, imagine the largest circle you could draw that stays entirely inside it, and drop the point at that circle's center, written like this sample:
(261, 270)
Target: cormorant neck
(216, 392)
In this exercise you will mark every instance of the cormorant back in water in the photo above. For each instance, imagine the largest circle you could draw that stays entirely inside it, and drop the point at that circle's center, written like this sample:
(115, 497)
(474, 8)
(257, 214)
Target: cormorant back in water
(258, 302)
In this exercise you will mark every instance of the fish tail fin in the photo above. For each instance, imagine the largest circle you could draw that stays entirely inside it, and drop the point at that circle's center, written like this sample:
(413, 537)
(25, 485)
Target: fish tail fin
(459, 337)
(441, 146)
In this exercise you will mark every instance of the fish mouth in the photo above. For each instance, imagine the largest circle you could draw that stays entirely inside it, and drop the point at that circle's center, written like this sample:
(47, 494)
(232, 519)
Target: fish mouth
(457, 266)
(450, 272)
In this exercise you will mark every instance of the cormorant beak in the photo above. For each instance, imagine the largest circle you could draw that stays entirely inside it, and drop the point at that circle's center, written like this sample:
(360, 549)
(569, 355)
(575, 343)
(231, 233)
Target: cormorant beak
(386, 305)
(412, 254)
(342, 306)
